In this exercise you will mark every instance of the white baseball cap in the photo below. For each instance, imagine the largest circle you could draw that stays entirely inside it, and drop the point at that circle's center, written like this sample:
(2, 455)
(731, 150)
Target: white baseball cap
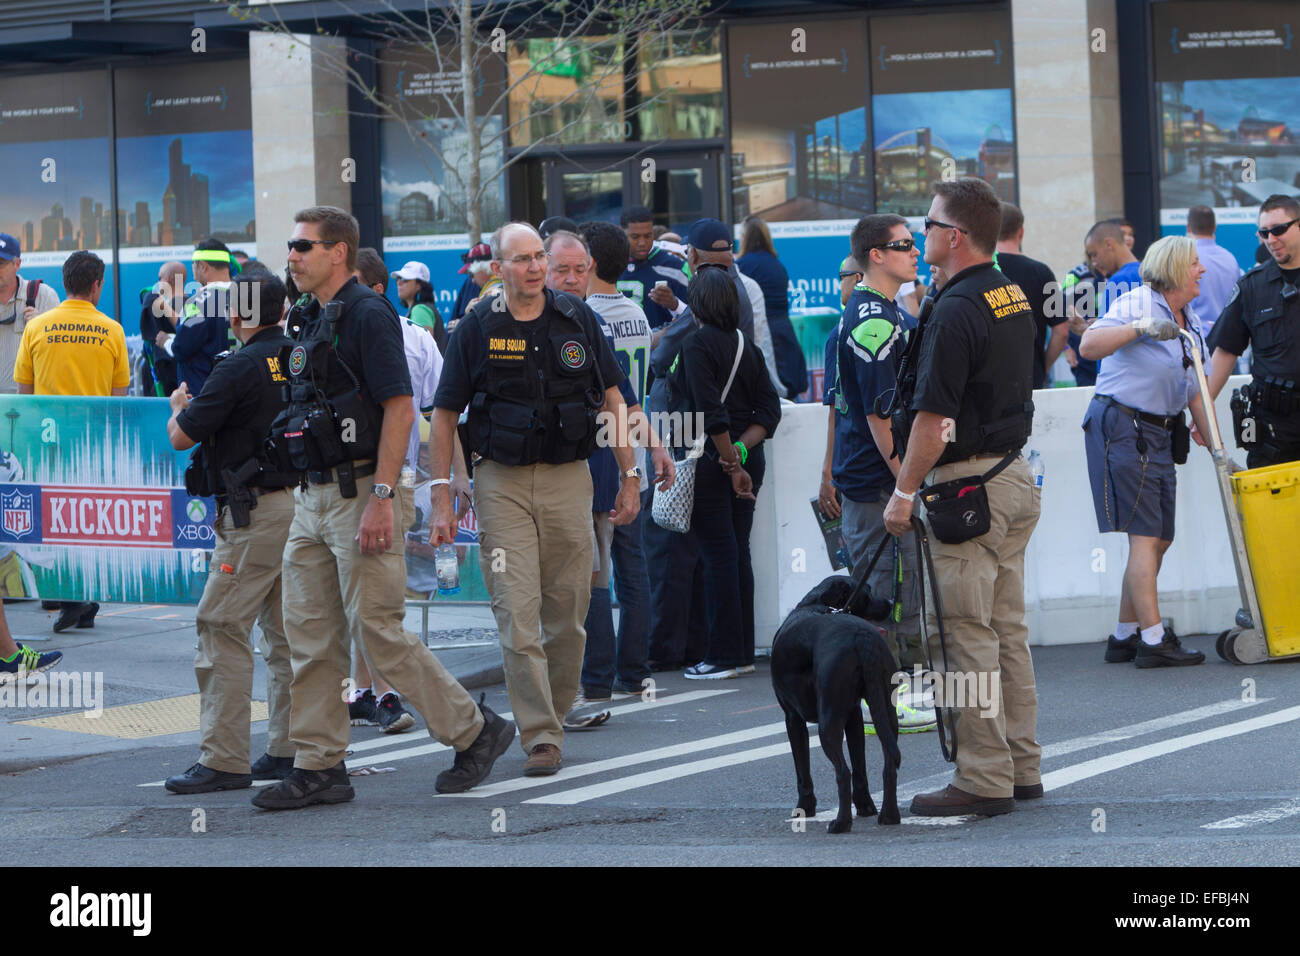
(413, 270)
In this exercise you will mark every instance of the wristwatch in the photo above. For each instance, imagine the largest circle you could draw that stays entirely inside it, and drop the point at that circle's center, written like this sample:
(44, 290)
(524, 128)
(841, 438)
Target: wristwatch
(381, 490)
(632, 473)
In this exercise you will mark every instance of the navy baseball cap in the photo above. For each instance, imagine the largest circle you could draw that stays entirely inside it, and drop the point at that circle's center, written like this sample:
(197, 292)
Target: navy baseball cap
(709, 235)
(9, 247)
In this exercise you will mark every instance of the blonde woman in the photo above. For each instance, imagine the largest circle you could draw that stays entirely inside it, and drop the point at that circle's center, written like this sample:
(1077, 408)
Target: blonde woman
(1132, 429)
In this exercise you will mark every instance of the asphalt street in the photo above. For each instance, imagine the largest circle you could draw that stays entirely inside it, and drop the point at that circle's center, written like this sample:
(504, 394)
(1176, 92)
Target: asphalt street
(1172, 767)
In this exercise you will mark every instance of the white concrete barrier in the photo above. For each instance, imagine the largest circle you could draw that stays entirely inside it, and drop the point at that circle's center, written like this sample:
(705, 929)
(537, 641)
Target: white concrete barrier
(1072, 572)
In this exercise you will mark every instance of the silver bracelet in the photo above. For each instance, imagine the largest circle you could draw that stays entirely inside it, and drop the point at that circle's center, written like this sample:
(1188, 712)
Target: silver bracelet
(904, 495)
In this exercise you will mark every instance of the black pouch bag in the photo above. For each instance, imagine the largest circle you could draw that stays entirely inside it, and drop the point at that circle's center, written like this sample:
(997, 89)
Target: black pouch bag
(959, 509)
(1180, 440)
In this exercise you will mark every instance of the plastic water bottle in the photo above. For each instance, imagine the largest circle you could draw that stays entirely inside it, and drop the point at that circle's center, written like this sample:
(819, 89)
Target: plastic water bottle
(444, 557)
(407, 479)
(1036, 467)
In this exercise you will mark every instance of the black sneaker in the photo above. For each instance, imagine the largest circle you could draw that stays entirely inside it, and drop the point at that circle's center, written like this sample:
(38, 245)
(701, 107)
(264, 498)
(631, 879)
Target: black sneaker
(1121, 652)
(474, 763)
(201, 779)
(391, 716)
(302, 788)
(362, 710)
(267, 767)
(1168, 653)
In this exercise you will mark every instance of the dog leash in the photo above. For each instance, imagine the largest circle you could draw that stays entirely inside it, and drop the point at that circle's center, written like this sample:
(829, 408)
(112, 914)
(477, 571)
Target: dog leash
(859, 582)
(925, 563)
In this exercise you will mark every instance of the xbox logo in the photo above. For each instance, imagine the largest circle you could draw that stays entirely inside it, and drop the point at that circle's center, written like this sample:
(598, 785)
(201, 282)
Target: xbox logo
(196, 509)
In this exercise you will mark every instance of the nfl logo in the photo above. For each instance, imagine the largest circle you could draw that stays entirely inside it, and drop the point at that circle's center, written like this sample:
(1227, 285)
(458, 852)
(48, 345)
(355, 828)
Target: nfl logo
(17, 513)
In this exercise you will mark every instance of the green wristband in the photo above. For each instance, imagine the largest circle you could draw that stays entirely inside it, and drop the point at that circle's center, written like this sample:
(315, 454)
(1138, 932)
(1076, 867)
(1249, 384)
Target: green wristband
(742, 451)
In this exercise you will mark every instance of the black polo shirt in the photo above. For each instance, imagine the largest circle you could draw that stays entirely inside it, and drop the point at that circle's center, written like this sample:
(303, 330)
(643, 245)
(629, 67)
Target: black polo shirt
(240, 399)
(369, 342)
(1038, 284)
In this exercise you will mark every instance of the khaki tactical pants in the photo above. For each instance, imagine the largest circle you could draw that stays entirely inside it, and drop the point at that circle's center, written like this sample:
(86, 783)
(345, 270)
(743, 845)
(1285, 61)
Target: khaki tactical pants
(535, 551)
(224, 662)
(333, 594)
(982, 582)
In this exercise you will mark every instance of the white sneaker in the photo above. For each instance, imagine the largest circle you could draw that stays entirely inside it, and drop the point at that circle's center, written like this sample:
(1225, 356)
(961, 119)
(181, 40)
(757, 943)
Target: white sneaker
(911, 720)
(745, 669)
(702, 671)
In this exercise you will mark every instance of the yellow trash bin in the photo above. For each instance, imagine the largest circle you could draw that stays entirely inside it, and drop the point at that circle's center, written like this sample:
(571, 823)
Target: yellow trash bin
(1268, 503)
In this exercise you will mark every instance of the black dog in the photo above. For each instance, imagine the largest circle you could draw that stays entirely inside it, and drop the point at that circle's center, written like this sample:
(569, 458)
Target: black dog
(823, 664)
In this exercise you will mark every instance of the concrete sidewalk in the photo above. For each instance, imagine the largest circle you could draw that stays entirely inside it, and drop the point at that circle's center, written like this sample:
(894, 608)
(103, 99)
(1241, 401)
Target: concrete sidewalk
(145, 653)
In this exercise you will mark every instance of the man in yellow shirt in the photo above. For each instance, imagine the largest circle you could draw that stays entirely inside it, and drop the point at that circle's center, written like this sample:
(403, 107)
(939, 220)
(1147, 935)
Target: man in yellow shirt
(74, 349)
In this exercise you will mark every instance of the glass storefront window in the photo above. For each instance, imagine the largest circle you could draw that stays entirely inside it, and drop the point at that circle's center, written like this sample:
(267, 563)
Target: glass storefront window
(679, 82)
(425, 156)
(568, 90)
(798, 120)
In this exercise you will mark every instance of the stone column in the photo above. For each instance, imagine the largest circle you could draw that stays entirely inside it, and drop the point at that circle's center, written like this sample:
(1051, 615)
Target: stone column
(1067, 123)
(300, 135)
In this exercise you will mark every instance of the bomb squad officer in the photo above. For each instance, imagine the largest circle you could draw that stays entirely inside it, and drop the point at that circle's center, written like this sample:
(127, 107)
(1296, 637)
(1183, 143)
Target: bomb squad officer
(534, 369)
(347, 426)
(229, 420)
(968, 397)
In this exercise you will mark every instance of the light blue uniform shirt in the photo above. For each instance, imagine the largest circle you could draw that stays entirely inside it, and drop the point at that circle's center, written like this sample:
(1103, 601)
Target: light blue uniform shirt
(1221, 274)
(1146, 374)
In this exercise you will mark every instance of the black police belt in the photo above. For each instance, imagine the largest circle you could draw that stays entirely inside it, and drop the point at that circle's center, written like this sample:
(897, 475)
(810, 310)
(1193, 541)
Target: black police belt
(1167, 422)
(1274, 395)
(331, 475)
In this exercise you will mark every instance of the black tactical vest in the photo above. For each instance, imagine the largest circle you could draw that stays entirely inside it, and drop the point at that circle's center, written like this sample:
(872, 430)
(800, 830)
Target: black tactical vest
(997, 409)
(540, 396)
(318, 430)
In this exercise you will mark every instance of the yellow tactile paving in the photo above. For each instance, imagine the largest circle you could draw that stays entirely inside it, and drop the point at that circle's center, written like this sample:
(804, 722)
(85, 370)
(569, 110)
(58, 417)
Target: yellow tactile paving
(152, 718)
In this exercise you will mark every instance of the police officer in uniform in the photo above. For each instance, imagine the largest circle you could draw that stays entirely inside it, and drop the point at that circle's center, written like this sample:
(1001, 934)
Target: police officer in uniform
(1263, 312)
(347, 426)
(534, 369)
(971, 411)
(229, 421)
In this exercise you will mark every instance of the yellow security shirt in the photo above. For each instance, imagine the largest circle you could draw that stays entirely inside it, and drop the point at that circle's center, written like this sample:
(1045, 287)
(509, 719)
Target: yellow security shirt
(73, 349)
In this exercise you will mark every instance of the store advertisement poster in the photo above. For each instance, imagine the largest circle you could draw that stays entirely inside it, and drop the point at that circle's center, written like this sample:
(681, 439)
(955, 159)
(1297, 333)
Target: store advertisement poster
(54, 151)
(1228, 94)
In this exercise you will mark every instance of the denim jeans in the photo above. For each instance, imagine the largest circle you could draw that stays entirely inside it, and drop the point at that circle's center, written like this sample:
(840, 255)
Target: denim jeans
(722, 523)
(623, 656)
(676, 616)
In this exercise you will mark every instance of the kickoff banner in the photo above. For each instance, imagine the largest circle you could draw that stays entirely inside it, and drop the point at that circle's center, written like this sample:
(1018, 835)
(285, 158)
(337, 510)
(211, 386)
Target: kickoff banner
(92, 506)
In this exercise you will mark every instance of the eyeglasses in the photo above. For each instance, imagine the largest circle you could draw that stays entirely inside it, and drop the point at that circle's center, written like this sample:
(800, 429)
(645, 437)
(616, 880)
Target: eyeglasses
(847, 275)
(902, 245)
(932, 223)
(538, 257)
(304, 245)
(1276, 231)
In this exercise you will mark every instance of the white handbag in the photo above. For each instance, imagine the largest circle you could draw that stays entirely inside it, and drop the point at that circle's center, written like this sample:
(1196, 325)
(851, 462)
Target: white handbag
(671, 509)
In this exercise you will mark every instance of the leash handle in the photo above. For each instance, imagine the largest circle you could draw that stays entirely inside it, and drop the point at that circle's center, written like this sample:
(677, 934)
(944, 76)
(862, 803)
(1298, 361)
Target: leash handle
(925, 565)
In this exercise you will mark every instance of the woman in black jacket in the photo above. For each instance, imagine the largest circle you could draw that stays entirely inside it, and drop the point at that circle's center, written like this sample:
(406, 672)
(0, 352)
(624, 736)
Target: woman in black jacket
(730, 471)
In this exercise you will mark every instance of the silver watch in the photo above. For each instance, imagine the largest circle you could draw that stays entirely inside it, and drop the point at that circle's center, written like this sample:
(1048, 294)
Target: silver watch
(381, 490)
(634, 472)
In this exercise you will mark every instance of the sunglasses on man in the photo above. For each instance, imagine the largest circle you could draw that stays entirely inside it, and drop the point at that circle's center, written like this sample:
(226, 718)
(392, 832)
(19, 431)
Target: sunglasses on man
(1276, 231)
(304, 245)
(936, 224)
(899, 245)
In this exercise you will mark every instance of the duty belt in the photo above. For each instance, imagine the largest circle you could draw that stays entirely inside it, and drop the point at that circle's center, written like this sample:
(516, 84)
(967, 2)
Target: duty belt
(329, 475)
(1160, 421)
